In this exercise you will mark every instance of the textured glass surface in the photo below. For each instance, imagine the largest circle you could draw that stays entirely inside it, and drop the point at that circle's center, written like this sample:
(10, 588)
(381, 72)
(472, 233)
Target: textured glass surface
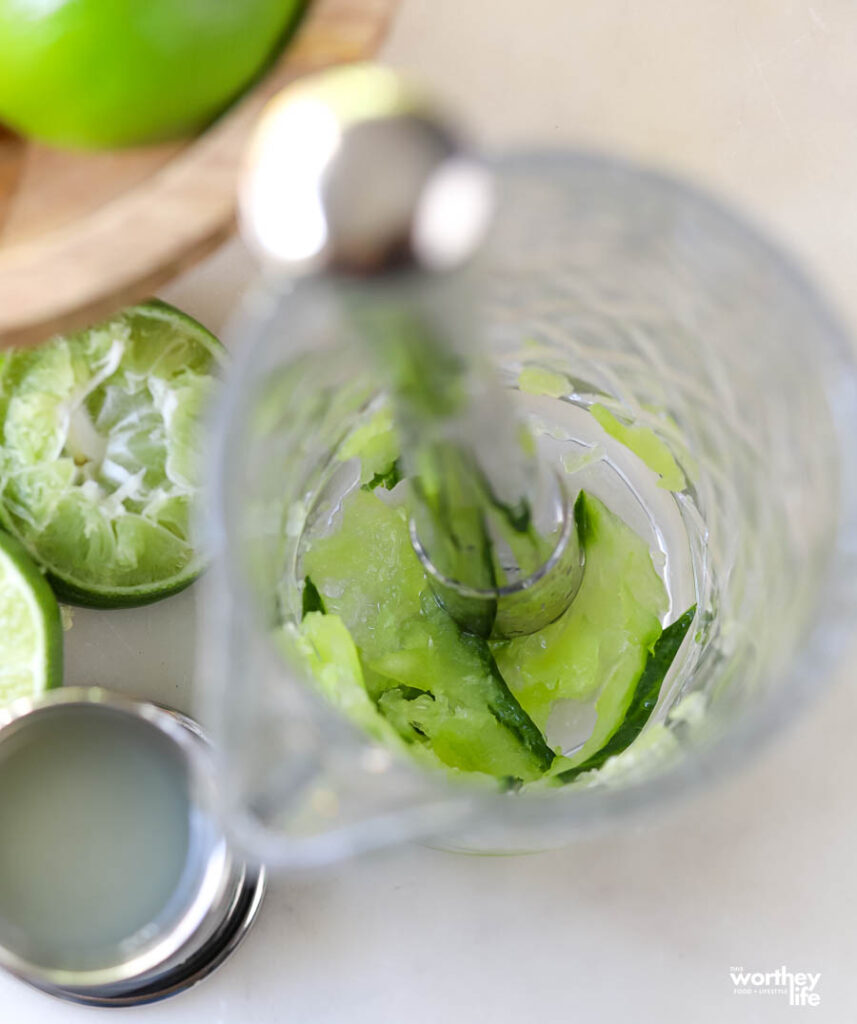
(657, 304)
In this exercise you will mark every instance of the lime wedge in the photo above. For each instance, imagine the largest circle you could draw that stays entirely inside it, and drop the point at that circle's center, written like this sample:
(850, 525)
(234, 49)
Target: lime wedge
(30, 626)
(100, 434)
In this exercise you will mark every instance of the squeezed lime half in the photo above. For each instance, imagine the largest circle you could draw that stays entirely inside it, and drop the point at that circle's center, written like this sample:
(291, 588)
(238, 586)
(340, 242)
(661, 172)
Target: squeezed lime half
(30, 626)
(101, 434)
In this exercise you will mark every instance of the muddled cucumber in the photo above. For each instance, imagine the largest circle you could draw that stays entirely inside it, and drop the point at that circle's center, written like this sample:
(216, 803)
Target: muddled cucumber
(443, 687)
(645, 444)
(387, 479)
(600, 644)
(323, 645)
(375, 444)
(365, 571)
(407, 672)
(642, 703)
(437, 685)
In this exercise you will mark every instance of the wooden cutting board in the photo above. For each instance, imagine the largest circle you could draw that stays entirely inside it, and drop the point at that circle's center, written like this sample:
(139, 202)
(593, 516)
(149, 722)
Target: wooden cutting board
(82, 234)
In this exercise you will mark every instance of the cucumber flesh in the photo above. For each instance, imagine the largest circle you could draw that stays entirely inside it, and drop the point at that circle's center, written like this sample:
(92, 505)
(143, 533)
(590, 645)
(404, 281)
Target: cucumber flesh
(646, 445)
(448, 685)
(366, 572)
(643, 700)
(389, 656)
(599, 646)
(322, 645)
(438, 686)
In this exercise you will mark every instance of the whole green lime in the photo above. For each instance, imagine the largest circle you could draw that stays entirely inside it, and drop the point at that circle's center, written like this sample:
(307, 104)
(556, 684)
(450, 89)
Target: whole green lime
(104, 73)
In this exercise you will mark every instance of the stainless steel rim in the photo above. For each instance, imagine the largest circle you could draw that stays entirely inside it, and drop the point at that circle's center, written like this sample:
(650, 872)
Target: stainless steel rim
(211, 885)
(185, 973)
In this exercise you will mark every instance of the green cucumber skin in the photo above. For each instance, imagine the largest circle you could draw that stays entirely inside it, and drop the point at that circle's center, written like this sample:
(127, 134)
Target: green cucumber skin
(504, 706)
(388, 479)
(508, 712)
(311, 600)
(644, 699)
(582, 519)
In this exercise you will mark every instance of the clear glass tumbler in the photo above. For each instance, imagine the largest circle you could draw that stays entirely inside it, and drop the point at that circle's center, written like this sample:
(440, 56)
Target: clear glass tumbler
(610, 285)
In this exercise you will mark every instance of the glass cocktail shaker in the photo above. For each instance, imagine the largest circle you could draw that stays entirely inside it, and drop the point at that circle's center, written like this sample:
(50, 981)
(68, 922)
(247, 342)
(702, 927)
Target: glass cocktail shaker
(599, 284)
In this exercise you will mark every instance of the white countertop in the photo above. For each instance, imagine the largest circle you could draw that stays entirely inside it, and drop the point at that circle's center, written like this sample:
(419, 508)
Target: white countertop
(757, 100)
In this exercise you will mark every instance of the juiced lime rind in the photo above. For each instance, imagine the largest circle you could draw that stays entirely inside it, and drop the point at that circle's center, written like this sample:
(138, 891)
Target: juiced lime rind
(29, 621)
(69, 594)
(100, 439)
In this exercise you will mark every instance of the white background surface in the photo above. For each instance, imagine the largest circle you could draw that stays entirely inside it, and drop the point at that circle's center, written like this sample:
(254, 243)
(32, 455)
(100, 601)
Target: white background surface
(758, 100)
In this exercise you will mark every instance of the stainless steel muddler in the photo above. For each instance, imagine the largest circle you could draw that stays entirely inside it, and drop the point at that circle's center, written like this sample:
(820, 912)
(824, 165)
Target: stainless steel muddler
(356, 179)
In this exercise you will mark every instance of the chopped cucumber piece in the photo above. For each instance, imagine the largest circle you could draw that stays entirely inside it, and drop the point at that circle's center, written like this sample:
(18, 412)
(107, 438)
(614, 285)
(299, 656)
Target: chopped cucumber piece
(447, 687)
(539, 380)
(367, 573)
(325, 647)
(646, 445)
(388, 479)
(376, 445)
(601, 642)
(643, 700)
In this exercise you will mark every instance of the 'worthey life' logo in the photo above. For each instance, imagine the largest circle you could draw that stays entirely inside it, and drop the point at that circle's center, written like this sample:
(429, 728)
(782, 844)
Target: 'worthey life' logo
(801, 987)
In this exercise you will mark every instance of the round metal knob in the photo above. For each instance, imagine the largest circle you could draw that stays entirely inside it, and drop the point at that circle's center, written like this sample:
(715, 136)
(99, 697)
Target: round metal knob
(352, 171)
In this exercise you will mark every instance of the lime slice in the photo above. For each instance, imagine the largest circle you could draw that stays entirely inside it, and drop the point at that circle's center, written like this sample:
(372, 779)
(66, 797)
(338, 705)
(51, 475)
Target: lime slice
(99, 440)
(30, 626)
